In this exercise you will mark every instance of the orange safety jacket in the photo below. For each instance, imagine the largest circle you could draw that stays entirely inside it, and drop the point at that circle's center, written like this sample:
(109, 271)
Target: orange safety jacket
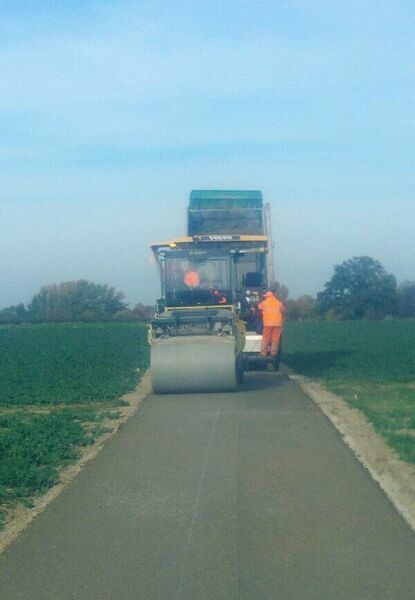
(272, 312)
(192, 279)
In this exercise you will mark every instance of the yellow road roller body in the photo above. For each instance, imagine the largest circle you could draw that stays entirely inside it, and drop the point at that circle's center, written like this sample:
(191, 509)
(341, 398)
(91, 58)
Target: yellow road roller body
(197, 335)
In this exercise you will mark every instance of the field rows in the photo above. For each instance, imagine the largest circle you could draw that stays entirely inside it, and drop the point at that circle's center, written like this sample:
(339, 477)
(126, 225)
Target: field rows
(60, 386)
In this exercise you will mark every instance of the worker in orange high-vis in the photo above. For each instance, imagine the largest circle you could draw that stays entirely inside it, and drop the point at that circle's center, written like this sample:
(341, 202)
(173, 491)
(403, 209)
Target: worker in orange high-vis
(272, 310)
(192, 278)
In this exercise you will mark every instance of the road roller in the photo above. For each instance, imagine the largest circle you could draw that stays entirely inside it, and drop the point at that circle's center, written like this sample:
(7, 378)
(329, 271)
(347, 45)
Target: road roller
(198, 333)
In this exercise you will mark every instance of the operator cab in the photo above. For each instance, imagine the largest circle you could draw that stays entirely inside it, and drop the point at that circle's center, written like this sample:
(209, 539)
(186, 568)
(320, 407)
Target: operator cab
(198, 278)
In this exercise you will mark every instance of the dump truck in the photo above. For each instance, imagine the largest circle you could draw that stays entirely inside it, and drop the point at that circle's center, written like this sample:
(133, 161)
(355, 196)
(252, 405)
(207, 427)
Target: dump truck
(205, 332)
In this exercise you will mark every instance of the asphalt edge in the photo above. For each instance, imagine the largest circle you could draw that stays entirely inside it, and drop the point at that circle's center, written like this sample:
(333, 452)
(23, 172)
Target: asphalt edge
(24, 516)
(395, 477)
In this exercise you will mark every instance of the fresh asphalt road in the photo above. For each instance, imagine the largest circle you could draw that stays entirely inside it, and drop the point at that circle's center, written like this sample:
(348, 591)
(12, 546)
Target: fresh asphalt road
(247, 496)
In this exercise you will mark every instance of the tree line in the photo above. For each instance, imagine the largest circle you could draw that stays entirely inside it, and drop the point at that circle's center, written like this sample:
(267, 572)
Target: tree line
(75, 301)
(360, 288)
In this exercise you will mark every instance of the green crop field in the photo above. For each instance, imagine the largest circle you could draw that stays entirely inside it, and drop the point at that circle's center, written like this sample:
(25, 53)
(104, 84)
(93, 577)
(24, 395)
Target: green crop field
(69, 363)
(57, 384)
(370, 364)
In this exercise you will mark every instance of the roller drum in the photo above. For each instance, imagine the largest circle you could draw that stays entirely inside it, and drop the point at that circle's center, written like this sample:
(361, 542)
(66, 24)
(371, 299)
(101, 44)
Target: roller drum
(194, 364)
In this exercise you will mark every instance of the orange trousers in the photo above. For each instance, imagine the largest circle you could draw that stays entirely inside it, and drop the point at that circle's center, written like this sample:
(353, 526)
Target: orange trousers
(271, 336)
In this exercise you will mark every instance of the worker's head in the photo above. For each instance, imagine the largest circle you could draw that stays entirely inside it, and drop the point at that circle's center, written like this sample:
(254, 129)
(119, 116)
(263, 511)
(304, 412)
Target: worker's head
(268, 294)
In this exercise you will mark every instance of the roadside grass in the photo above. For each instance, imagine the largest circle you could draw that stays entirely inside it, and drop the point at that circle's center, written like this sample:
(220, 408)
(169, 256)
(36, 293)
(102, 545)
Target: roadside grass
(370, 364)
(60, 386)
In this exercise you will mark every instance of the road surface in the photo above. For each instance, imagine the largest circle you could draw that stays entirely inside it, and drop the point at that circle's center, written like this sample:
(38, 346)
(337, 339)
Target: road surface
(247, 496)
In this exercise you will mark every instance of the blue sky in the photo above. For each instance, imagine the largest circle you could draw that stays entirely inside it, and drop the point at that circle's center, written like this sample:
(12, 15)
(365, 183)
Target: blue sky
(112, 111)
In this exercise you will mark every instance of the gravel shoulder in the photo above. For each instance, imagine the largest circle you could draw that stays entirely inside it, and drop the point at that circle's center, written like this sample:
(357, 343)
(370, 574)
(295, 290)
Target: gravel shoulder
(394, 476)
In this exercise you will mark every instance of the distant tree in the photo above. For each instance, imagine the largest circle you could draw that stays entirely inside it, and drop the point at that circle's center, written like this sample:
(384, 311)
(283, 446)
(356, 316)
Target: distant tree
(302, 309)
(75, 301)
(143, 311)
(140, 312)
(280, 289)
(360, 288)
(406, 300)
(13, 314)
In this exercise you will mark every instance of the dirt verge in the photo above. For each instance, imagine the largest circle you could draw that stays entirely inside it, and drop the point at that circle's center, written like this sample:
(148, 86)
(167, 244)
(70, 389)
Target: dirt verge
(395, 477)
(19, 518)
